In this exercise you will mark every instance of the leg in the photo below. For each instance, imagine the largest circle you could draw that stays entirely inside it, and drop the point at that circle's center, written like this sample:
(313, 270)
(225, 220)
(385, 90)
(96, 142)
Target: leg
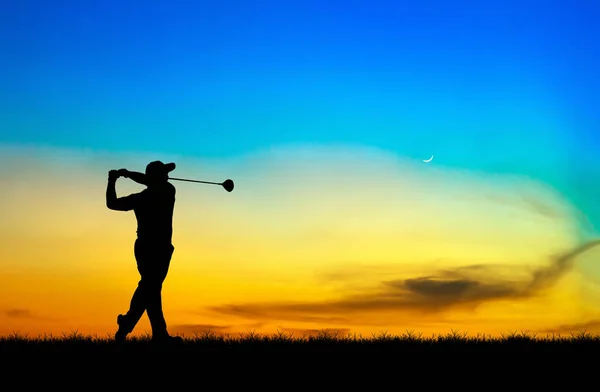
(154, 264)
(153, 290)
(137, 307)
(151, 277)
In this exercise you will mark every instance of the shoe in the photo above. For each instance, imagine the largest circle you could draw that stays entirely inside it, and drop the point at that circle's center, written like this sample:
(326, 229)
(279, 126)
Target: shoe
(121, 334)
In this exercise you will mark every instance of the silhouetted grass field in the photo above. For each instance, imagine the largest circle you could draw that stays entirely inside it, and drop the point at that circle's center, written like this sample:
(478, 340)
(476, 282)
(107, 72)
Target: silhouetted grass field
(322, 342)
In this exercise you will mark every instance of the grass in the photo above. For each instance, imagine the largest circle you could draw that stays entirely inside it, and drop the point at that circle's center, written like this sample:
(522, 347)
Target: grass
(325, 341)
(314, 362)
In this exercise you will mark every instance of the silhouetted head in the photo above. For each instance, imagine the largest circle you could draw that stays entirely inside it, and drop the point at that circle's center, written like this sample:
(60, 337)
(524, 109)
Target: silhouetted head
(157, 172)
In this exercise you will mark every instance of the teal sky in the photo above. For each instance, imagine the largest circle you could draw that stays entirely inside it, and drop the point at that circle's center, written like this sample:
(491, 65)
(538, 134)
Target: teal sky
(496, 86)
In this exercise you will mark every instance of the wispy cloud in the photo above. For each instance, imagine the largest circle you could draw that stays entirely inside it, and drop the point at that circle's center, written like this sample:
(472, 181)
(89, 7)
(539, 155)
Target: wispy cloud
(592, 326)
(201, 329)
(464, 287)
(23, 314)
(338, 332)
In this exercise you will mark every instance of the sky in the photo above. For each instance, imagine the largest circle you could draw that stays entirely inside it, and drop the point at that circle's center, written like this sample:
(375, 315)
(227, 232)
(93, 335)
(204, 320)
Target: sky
(322, 113)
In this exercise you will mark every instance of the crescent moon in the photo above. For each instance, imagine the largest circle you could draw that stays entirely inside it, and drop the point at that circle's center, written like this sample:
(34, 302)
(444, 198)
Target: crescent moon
(428, 160)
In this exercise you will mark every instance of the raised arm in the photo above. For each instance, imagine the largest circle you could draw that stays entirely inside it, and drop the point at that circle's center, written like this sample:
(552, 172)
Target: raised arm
(115, 203)
(111, 190)
(138, 177)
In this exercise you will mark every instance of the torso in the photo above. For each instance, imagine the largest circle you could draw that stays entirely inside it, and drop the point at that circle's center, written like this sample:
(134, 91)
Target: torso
(154, 214)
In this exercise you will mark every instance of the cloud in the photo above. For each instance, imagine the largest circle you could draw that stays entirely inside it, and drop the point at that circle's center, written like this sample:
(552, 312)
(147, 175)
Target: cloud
(18, 313)
(463, 287)
(307, 313)
(337, 332)
(592, 326)
(201, 329)
(23, 314)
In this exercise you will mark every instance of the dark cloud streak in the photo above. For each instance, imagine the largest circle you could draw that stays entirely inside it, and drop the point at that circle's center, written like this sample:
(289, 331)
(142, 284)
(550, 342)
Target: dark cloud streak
(588, 326)
(20, 313)
(202, 329)
(465, 287)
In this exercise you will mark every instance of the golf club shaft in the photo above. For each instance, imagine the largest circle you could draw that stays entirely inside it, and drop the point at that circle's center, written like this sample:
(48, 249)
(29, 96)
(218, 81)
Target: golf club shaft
(202, 182)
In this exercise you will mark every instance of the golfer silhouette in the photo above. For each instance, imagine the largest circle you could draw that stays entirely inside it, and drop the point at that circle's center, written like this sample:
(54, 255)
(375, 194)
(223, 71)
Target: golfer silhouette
(153, 208)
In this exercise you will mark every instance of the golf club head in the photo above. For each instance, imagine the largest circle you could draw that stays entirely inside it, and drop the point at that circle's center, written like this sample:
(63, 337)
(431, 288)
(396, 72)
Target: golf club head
(228, 185)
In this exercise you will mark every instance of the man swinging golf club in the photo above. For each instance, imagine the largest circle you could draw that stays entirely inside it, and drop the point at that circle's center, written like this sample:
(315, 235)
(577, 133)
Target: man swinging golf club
(153, 208)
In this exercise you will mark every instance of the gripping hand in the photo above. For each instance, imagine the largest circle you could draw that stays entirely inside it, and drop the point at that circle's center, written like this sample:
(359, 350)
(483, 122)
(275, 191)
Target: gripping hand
(113, 175)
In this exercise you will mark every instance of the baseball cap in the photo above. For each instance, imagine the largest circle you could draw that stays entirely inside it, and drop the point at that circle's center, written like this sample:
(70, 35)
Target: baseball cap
(159, 168)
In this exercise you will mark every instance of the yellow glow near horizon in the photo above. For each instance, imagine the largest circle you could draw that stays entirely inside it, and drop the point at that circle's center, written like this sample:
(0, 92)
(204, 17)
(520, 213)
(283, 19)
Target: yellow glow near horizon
(304, 228)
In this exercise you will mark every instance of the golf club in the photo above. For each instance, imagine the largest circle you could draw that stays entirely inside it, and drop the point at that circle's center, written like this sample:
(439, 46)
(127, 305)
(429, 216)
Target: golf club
(227, 184)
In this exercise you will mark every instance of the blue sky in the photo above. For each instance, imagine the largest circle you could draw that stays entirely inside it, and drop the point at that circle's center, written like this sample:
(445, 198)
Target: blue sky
(498, 86)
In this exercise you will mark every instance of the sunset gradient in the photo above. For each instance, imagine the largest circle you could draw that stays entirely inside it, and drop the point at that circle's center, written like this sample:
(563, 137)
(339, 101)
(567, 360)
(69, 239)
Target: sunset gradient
(322, 116)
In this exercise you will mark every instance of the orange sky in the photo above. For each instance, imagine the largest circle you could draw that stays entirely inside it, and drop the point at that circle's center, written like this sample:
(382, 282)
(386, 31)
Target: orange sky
(343, 238)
